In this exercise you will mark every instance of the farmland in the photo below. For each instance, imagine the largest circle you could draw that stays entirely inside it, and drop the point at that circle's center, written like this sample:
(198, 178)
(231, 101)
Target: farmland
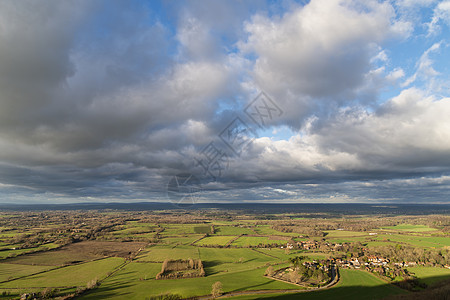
(347, 289)
(113, 254)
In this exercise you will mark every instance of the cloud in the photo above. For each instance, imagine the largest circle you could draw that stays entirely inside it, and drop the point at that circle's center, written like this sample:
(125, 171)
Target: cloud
(441, 14)
(407, 136)
(424, 66)
(108, 100)
(319, 53)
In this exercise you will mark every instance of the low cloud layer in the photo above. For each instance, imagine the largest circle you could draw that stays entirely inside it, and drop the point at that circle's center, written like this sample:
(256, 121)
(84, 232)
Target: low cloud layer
(106, 101)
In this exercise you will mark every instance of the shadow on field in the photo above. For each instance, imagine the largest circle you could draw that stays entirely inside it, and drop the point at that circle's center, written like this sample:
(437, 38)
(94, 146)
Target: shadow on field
(440, 290)
(120, 290)
(208, 264)
(253, 287)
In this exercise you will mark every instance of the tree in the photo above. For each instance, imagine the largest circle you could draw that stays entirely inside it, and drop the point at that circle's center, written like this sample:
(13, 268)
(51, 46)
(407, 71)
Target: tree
(270, 271)
(92, 284)
(297, 261)
(164, 265)
(217, 289)
(294, 276)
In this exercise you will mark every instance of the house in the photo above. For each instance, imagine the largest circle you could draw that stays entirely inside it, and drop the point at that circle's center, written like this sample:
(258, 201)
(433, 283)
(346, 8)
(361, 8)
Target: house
(377, 261)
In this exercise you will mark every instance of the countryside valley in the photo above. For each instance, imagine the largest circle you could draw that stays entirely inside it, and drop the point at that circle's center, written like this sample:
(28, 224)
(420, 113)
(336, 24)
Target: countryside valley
(206, 253)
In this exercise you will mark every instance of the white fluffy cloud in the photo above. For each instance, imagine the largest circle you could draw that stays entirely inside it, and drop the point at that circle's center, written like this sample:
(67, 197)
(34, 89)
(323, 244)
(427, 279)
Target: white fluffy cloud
(410, 134)
(320, 51)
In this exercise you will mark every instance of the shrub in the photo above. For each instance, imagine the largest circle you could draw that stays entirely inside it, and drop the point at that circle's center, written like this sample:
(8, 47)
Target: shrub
(269, 271)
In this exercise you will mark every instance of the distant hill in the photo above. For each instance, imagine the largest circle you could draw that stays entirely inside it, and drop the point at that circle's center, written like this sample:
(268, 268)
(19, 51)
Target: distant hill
(263, 208)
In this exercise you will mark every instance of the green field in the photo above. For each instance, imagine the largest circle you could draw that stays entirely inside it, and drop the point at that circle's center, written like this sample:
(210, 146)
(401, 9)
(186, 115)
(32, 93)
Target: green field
(215, 240)
(353, 285)
(8, 271)
(379, 243)
(430, 275)
(281, 253)
(411, 228)
(119, 286)
(70, 276)
(182, 240)
(232, 230)
(12, 253)
(160, 253)
(135, 230)
(125, 252)
(421, 241)
(344, 233)
(267, 230)
(237, 269)
(245, 241)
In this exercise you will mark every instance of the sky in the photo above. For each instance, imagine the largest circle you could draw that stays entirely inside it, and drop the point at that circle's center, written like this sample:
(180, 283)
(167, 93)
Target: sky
(318, 101)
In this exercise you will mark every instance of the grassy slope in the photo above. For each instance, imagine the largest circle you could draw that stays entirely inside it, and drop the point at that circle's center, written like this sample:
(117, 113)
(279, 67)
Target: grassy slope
(354, 284)
(215, 240)
(160, 253)
(430, 275)
(245, 241)
(120, 285)
(77, 275)
(411, 228)
(15, 270)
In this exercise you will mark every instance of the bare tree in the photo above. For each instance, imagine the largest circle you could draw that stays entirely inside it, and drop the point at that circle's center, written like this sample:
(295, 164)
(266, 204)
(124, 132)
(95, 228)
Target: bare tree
(217, 289)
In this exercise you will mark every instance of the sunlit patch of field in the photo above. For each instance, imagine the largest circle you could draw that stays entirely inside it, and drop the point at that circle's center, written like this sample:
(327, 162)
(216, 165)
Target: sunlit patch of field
(232, 230)
(245, 241)
(411, 228)
(353, 285)
(160, 253)
(215, 240)
(70, 276)
(430, 275)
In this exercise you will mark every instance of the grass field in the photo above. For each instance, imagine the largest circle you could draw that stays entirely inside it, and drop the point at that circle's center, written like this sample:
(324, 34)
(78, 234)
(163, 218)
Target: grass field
(178, 229)
(215, 240)
(12, 253)
(160, 253)
(379, 243)
(411, 228)
(282, 255)
(135, 230)
(245, 241)
(354, 285)
(8, 271)
(266, 230)
(77, 275)
(344, 233)
(182, 240)
(430, 275)
(119, 286)
(240, 267)
(221, 256)
(232, 230)
(421, 241)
